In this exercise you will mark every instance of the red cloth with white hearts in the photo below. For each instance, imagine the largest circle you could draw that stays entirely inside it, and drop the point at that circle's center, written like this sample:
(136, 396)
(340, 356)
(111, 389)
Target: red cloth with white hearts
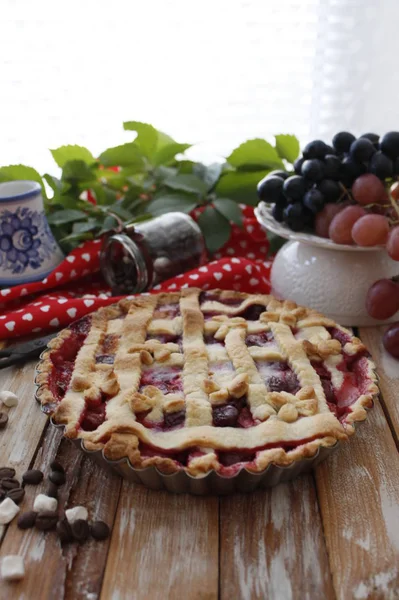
(76, 288)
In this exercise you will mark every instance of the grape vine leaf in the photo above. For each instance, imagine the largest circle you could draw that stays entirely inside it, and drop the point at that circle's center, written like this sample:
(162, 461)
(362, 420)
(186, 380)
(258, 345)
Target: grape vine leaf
(215, 228)
(147, 136)
(66, 216)
(178, 201)
(229, 209)
(166, 154)
(77, 170)
(208, 173)
(287, 147)
(240, 186)
(126, 155)
(254, 155)
(186, 183)
(65, 153)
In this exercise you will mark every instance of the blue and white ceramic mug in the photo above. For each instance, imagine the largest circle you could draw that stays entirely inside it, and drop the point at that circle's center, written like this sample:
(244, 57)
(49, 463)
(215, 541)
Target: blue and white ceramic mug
(28, 250)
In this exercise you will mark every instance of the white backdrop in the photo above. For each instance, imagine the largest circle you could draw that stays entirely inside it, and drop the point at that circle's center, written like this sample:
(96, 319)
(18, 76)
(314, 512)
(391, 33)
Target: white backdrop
(214, 72)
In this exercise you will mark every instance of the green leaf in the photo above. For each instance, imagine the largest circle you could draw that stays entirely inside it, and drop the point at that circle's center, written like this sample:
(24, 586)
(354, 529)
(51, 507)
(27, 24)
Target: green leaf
(240, 186)
(164, 140)
(178, 201)
(275, 242)
(69, 242)
(147, 136)
(167, 153)
(64, 154)
(53, 182)
(208, 173)
(66, 216)
(18, 172)
(118, 209)
(83, 226)
(77, 170)
(215, 227)
(255, 155)
(109, 223)
(229, 209)
(186, 183)
(287, 147)
(126, 155)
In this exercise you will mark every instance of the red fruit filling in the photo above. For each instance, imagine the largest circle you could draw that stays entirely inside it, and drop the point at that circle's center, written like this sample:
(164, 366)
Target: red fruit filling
(210, 297)
(64, 358)
(167, 311)
(339, 335)
(174, 420)
(252, 313)
(93, 416)
(259, 339)
(168, 380)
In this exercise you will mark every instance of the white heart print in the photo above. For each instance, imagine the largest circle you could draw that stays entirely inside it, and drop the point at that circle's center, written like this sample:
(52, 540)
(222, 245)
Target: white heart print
(45, 308)
(88, 302)
(10, 325)
(27, 317)
(72, 312)
(218, 276)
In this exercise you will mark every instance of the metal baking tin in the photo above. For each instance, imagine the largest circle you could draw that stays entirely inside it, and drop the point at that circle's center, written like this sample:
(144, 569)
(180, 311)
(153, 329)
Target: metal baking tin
(210, 484)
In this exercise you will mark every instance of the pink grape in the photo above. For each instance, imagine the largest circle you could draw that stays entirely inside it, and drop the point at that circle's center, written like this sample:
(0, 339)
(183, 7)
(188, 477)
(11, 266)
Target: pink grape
(370, 230)
(383, 299)
(392, 246)
(391, 340)
(368, 189)
(324, 218)
(340, 230)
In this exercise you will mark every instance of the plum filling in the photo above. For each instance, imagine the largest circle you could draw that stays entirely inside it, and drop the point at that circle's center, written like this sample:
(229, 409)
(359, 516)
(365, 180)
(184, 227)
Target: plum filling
(168, 379)
(278, 376)
(64, 358)
(234, 414)
(339, 335)
(259, 339)
(93, 416)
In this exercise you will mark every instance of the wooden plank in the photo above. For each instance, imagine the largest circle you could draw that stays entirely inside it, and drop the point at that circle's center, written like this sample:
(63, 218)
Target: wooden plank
(388, 371)
(71, 571)
(19, 440)
(272, 545)
(163, 546)
(358, 488)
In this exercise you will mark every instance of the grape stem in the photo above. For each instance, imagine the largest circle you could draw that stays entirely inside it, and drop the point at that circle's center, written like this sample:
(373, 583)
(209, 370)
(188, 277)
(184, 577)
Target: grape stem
(392, 200)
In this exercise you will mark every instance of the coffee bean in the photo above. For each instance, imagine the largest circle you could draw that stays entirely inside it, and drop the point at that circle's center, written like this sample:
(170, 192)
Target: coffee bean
(64, 531)
(27, 520)
(46, 520)
(57, 477)
(6, 472)
(80, 530)
(9, 484)
(56, 466)
(16, 494)
(3, 420)
(32, 477)
(52, 490)
(99, 530)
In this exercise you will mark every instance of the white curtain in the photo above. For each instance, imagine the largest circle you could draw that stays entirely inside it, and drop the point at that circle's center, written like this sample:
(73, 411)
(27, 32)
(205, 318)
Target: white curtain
(214, 72)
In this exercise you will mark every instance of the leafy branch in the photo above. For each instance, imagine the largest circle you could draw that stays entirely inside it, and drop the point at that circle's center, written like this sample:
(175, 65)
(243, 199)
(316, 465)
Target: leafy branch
(150, 176)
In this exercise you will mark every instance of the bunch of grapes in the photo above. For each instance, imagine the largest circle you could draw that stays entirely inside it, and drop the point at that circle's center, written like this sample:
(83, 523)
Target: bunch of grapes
(347, 192)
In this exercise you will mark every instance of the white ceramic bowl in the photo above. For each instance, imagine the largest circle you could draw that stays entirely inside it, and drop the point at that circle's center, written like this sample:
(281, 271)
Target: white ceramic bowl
(329, 277)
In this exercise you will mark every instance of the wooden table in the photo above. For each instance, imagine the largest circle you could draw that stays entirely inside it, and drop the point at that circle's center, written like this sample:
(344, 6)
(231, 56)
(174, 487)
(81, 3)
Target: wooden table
(330, 534)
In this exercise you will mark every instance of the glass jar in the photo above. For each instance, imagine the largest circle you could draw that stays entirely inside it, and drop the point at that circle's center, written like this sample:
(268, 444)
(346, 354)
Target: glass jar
(143, 255)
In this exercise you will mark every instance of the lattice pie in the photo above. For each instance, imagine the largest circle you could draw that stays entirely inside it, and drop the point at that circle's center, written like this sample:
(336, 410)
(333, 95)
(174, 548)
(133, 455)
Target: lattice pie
(207, 380)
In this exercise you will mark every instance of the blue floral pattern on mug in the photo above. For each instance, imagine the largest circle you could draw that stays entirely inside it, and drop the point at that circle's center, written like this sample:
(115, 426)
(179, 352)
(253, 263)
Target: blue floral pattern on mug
(25, 240)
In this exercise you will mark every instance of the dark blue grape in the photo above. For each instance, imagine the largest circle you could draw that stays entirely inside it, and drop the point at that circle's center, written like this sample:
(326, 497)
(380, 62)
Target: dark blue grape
(269, 189)
(314, 200)
(373, 137)
(351, 170)
(332, 167)
(315, 149)
(381, 165)
(390, 144)
(361, 150)
(279, 173)
(330, 189)
(313, 169)
(294, 216)
(278, 212)
(298, 165)
(342, 141)
(294, 187)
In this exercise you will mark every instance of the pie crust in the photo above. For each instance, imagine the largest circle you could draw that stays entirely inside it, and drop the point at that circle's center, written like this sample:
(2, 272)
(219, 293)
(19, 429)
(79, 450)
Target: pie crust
(203, 381)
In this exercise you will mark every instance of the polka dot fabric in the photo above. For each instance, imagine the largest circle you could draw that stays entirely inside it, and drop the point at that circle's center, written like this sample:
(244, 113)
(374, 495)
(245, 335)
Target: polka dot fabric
(75, 288)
